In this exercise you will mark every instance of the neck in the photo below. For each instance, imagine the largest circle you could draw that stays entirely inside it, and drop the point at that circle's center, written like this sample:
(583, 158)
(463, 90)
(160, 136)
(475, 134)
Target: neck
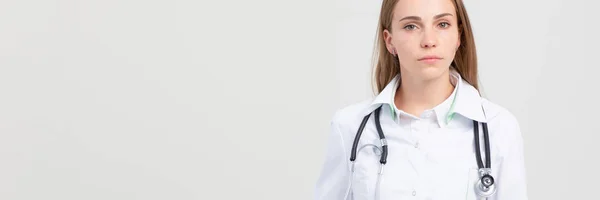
(416, 95)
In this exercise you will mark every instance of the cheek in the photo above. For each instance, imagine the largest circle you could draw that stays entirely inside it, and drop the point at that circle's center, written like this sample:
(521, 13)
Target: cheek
(406, 44)
(448, 39)
(403, 38)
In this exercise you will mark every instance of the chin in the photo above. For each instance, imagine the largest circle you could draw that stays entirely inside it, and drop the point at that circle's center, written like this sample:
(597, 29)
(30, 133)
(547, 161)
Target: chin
(429, 72)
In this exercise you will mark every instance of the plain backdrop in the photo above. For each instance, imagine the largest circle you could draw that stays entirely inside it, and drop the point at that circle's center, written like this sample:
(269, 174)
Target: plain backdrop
(147, 99)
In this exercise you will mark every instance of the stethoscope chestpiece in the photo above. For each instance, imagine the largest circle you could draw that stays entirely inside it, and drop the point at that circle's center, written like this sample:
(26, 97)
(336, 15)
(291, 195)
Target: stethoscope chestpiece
(485, 186)
(487, 180)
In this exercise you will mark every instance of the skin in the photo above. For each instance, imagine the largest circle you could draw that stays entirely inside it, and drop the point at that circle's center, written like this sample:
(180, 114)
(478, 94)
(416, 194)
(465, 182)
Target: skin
(430, 30)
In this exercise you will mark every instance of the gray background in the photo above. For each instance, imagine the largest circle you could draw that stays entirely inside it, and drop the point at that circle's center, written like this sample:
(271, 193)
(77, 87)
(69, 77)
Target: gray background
(132, 99)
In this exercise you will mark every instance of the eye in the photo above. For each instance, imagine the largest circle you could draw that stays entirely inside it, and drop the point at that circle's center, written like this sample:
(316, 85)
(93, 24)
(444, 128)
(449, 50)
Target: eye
(444, 24)
(410, 27)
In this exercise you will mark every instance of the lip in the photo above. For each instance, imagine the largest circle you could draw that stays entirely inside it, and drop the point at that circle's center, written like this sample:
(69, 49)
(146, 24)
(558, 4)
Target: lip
(430, 59)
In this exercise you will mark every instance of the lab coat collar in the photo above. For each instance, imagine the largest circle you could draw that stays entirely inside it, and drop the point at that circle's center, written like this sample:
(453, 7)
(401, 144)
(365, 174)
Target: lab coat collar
(466, 100)
(469, 102)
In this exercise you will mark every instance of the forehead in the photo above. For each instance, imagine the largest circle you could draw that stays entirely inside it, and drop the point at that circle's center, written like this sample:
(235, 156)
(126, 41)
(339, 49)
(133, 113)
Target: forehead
(425, 9)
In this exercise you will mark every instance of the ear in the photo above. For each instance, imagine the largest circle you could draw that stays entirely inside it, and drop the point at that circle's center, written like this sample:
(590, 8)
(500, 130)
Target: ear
(387, 37)
(458, 40)
(458, 44)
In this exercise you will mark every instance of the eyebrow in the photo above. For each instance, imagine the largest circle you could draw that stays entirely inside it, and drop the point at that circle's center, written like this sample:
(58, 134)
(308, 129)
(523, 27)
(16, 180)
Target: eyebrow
(419, 18)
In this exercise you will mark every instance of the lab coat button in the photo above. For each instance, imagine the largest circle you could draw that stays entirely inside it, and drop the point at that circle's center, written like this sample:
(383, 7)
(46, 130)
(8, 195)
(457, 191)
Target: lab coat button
(427, 114)
(414, 193)
(415, 129)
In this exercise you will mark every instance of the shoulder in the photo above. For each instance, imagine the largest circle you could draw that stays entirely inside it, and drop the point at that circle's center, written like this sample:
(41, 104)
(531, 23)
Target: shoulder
(503, 125)
(497, 114)
(348, 118)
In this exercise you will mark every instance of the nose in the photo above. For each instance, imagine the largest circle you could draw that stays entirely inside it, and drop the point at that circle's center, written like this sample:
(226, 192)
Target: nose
(429, 39)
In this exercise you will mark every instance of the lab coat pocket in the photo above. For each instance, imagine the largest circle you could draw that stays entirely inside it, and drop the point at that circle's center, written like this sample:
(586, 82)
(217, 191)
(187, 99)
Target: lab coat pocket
(365, 176)
(452, 186)
(458, 184)
(473, 178)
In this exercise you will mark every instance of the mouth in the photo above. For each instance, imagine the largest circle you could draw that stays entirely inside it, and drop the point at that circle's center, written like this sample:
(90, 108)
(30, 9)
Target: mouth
(430, 59)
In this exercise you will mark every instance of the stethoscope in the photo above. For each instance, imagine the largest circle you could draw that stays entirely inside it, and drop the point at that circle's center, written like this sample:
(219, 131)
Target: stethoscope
(485, 185)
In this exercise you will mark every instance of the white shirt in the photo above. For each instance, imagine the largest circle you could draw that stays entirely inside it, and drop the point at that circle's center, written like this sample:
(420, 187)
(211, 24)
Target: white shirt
(431, 156)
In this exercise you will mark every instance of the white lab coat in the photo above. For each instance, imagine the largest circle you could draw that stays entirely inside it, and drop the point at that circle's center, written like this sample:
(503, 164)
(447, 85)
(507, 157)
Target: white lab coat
(428, 158)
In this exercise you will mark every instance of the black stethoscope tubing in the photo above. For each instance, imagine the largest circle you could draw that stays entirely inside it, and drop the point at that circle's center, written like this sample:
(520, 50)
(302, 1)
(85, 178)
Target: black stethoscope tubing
(486, 179)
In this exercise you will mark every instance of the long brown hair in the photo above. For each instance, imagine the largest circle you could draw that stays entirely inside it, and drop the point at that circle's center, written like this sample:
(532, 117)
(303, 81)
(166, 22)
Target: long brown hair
(386, 66)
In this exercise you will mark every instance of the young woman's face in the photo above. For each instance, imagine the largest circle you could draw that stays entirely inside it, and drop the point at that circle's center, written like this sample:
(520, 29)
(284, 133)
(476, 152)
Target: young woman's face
(423, 29)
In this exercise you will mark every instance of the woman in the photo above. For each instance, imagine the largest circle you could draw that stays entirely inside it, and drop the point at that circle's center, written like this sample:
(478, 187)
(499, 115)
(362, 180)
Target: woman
(429, 109)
